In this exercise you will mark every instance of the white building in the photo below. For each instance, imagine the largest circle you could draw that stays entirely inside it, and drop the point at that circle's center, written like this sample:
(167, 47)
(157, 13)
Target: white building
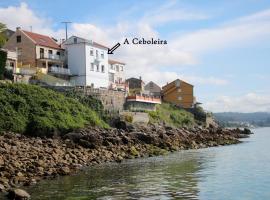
(117, 75)
(87, 61)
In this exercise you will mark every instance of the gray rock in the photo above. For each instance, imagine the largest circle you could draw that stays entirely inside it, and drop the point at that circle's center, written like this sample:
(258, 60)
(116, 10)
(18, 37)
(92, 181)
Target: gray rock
(18, 194)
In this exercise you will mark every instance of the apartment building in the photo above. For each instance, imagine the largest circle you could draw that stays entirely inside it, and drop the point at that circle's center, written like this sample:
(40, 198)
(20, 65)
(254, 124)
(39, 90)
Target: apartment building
(117, 75)
(88, 62)
(179, 93)
(37, 52)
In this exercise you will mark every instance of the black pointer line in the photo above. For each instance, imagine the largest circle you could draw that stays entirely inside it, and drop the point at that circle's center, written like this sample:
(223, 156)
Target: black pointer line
(110, 51)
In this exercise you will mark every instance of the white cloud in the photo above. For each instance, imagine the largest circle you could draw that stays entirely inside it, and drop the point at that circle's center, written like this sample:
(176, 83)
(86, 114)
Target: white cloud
(146, 61)
(235, 33)
(251, 102)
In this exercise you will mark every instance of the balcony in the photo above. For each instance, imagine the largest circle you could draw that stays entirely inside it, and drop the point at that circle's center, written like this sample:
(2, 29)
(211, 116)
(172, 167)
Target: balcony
(51, 57)
(145, 99)
(25, 71)
(59, 70)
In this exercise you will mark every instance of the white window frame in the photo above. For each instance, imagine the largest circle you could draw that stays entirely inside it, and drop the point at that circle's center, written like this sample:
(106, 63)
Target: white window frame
(92, 67)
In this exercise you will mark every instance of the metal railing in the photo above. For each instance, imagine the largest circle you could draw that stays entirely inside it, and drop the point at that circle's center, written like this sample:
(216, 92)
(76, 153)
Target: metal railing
(59, 70)
(51, 56)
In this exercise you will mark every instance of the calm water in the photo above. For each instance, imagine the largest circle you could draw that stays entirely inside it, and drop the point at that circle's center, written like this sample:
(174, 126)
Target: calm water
(233, 172)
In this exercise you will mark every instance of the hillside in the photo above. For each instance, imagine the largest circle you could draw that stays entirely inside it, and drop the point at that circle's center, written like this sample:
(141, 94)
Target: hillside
(256, 119)
(171, 115)
(34, 110)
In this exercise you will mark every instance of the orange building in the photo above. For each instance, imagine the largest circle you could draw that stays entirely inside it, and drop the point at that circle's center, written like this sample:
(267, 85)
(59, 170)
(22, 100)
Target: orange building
(179, 93)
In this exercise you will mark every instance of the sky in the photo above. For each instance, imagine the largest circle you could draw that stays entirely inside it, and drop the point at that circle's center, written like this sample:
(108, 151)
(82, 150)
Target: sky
(222, 47)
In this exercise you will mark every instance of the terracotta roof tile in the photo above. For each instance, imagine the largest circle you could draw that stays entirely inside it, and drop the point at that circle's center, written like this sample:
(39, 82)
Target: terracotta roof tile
(112, 62)
(42, 40)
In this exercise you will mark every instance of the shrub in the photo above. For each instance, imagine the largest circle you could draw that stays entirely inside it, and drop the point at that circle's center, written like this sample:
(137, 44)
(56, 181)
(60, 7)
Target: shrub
(171, 115)
(128, 118)
(34, 110)
(3, 59)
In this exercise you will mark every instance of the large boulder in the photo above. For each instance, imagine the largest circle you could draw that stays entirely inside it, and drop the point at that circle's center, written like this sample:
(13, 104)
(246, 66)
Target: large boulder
(18, 194)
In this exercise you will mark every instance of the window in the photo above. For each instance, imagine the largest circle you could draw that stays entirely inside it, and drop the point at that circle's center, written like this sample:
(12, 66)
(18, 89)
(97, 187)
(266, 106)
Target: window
(50, 51)
(179, 90)
(92, 67)
(41, 51)
(97, 68)
(75, 40)
(19, 38)
(97, 53)
(102, 68)
(44, 65)
(111, 66)
(102, 54)
(179, 98)
(111, 77)
(19, 51)
(91, 52)
(117, 68)
(122, 68)
(177, 83)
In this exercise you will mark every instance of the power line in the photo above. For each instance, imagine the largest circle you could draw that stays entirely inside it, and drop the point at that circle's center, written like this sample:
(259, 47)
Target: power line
(66, 26)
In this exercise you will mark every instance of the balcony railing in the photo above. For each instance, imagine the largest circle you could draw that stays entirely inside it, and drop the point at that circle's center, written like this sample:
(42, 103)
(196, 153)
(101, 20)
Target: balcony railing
(59, 70)
(26, 71)
(51, 57)
(145, 99)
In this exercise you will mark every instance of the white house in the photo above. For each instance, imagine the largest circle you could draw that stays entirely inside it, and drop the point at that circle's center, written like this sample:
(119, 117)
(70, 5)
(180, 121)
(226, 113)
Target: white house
(117, 75)
(87, 61)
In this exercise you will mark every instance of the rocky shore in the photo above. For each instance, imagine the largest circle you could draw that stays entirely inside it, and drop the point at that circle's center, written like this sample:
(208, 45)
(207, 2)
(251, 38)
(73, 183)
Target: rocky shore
(26, 160)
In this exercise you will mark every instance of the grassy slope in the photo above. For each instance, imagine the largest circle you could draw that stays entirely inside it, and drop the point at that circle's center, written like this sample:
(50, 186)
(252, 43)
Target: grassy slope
(171, 115)
(38, 111)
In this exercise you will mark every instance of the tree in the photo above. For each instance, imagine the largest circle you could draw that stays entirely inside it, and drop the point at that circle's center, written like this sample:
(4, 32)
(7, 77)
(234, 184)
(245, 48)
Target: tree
(2, 36)
(3, 59)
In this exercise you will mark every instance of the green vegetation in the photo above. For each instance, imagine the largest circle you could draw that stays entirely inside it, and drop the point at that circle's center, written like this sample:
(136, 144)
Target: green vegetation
(37, 111)
(3, 59)
(3, 39)
(171, 115)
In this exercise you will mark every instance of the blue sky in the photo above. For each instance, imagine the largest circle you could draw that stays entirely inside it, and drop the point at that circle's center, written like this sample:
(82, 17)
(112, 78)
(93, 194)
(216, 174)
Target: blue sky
(222, 47)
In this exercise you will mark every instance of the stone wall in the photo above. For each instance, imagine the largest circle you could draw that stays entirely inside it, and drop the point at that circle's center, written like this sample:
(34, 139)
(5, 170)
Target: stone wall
(111, 100)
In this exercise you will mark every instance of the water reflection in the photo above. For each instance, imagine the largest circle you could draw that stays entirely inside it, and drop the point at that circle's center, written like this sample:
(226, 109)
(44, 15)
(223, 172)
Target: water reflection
(171, 177)
(233, 172)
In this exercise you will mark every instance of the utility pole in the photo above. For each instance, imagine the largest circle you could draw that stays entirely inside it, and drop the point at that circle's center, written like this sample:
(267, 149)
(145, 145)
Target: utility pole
(66, 26)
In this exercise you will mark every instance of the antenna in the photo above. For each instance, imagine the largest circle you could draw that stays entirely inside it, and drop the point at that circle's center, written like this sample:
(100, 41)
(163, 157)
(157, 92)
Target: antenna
(31, 29)
(66, 25)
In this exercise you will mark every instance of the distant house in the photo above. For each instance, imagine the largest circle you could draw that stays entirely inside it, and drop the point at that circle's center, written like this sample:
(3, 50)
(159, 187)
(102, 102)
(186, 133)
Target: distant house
(136, 85)
(88, 62)
(152, 89)
(117, 75)
(36, 52)
(179, 93)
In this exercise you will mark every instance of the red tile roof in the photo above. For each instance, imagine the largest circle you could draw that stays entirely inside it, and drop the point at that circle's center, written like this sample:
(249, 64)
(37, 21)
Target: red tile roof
(112, 62)
(42, 40)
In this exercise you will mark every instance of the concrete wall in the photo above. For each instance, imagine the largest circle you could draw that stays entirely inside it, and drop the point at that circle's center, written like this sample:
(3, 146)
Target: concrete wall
(80, 62)
(139, 106)
(96, 76)
(76, 63)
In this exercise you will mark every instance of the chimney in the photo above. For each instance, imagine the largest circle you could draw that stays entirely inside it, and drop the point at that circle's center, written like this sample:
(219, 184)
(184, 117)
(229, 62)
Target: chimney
(18, 28)
(140, 78)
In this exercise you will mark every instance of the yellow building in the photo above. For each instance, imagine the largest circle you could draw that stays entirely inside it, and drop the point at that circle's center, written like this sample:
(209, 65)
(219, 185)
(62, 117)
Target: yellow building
(179, 93)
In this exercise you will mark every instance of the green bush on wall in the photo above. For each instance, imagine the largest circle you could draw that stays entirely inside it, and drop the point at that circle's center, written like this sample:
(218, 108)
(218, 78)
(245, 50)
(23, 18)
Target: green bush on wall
(34, 110)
